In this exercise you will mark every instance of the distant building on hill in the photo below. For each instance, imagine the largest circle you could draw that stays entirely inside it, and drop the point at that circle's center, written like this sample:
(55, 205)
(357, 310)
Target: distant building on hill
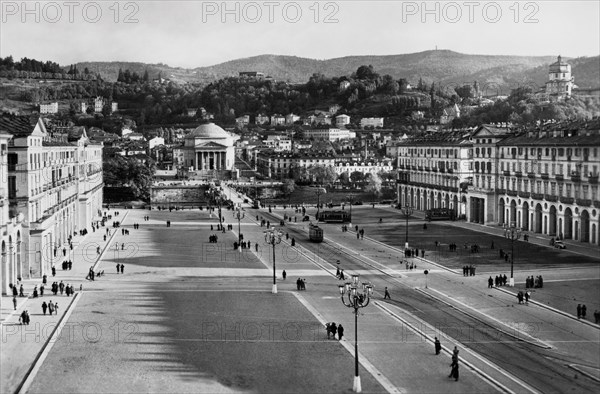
(252, 74)
(561, 82)
(49, 108)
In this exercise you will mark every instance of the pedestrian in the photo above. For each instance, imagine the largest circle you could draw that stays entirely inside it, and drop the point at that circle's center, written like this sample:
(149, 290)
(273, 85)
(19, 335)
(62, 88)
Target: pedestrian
(50, 307)
(118, 268)
(387, 294)
(527, 295)
(490, 282)
(333, 329)
(56, 308)
(284, 274)
(340, 331)
(21, 291)
(15, 304)
(583, 311)
(437, 346)
(454, 367)
(44, 307)
(122, 268)
(596, 314)
(578, 311)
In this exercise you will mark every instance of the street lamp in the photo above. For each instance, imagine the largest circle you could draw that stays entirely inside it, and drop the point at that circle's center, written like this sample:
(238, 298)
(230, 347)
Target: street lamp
(273, 237)
(513, 234)
(239, 215)
(216, 198)
(407, 211)
(356, 300)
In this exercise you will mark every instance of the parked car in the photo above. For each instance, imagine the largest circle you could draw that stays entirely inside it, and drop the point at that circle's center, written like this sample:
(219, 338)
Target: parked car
(560, 245)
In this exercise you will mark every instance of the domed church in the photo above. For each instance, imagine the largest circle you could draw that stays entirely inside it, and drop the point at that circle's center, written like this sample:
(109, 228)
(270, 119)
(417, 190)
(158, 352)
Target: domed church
(207, 151)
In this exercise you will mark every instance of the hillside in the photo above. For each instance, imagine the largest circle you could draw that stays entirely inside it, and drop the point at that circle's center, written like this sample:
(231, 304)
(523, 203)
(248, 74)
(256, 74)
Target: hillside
(443, 66)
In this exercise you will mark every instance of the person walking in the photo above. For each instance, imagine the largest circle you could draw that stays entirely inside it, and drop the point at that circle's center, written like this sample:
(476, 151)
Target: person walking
(333, 329)
(387, 294)
(44, 307)
(578, 311)
(454, 367)
(118, 268)
(56, 308)
(284, 274)
(437, 346)
(50, 307)
(583, 311)
(340, 331)
(122, 268)
(15, 303)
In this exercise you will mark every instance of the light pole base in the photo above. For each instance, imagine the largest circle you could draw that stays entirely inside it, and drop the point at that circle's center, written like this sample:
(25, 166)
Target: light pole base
(356, 387)
(511, 283)
(274, 291)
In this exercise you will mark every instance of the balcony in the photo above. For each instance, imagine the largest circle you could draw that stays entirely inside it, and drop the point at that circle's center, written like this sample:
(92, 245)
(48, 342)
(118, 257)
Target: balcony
(593, 178)
(597, 204)
(544, 175)
(537, 196)
(584, 202)
(501, 191)
(531, 175)
(511, 193)
(559, 177)
(524, 194)
(576, 177)
(506, 173)
(550, 198)
(567, 200)
(518, 174)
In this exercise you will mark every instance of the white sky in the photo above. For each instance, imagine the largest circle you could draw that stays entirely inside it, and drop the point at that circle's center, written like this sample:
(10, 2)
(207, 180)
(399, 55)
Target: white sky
(192, 33)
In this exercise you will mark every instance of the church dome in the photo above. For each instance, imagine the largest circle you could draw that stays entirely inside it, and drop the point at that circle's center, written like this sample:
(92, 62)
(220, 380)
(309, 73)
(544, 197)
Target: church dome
(209, 131)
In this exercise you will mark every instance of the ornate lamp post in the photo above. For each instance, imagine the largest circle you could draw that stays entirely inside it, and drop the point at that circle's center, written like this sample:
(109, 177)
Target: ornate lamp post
(217, 199)
(273, 237)
(239, 215)
(356, 300)
(513, 234)
(407, 211)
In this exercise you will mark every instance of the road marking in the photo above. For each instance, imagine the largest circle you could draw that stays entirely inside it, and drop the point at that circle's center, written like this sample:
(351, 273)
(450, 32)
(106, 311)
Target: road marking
(487, 378)
(533, 341)
(383, 381)
(37, 364)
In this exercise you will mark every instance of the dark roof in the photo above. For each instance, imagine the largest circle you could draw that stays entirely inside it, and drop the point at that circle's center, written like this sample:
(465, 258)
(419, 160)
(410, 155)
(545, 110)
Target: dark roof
(18, 125)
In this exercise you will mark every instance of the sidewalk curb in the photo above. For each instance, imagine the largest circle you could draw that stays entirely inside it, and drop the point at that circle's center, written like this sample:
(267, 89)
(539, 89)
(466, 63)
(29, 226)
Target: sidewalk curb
(555, 310)
(486, 377)
(366, 364)
(41, 356)
(544, 346)
(108, 242)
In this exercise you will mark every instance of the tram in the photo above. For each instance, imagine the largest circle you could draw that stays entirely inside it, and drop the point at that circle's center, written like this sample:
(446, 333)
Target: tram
(440, 214)
(315, 233)
(334, 217)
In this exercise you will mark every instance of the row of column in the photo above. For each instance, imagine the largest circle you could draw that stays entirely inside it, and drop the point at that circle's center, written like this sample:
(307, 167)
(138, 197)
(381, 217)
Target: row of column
(210, 160)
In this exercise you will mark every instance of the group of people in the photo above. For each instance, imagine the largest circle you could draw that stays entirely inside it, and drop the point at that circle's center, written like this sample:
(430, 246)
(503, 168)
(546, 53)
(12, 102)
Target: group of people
(360, 234)
(340, 274)
(411, 266)
(469, 270)
(499, 280)
(536, 282)
(213, 238)
(50, 307)
(301, 284)
(66, 265)
(413, 252)
(120, 268)
(523, 296)
(333, 329)
(243, 245)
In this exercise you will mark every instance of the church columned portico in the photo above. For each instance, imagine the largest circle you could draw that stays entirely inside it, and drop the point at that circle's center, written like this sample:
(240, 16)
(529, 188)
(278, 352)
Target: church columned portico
(211, 160)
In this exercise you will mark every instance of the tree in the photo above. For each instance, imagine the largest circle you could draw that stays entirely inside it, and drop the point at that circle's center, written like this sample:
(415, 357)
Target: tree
(344, 178)
(357, 177)
(146, 77)
(323, 174)
(288, 187)
(374, 184)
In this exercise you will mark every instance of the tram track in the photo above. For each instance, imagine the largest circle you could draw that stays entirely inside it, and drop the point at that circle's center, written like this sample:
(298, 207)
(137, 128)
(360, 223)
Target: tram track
(547, 370)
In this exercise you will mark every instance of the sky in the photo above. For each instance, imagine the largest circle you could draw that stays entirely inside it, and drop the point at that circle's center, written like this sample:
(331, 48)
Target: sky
(202, 33)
